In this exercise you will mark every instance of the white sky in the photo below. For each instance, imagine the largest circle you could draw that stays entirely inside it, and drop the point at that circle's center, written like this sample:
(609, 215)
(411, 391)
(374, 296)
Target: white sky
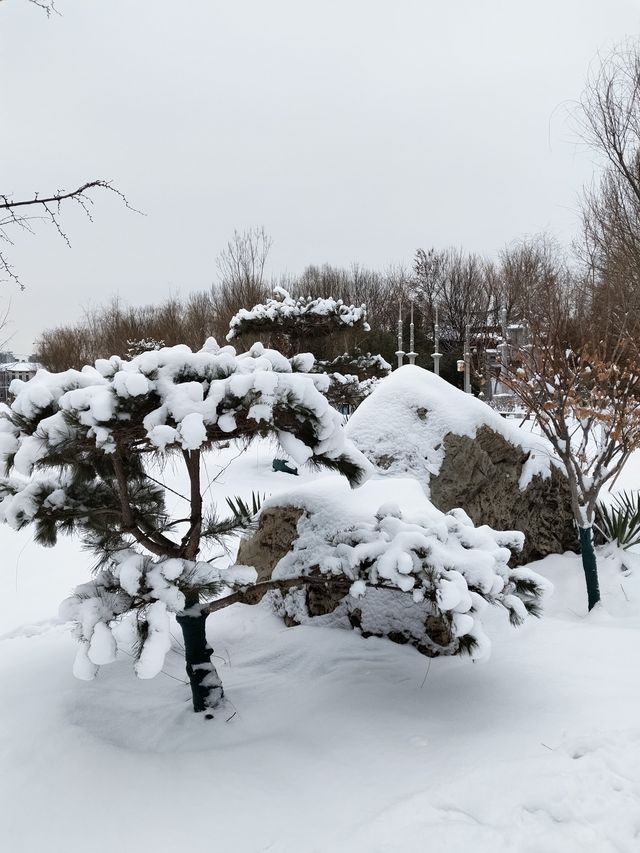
(353, 130)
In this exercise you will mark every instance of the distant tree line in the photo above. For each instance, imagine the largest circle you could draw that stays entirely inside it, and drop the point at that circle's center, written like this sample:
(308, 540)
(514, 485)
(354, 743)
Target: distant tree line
(594, 286)
(466, 287)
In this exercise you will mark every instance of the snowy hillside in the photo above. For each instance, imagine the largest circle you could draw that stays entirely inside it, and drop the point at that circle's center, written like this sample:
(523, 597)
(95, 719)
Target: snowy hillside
(329, 742)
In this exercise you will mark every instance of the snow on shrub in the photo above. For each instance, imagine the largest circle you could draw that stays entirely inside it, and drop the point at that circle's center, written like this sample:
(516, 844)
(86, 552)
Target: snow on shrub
(78, 445)
(309, 316)
(141, 592)
(175, 398)
(421, 575)
(364, 366)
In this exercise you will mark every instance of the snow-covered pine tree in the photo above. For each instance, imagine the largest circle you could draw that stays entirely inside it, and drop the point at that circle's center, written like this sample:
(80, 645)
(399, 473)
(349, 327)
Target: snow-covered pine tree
(353, 377)
(79, 450)
(135, 347)
(290, 323)
(295, 324)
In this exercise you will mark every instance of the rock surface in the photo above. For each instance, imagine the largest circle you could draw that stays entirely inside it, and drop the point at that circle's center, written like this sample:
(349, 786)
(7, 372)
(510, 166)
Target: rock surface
(273, 539)
(464, 454)
(481, 475)
(311, 530)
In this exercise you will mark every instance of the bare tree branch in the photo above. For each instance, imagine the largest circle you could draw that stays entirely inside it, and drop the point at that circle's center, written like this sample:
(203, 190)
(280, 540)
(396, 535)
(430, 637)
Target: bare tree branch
(48, 209)
(47, 6)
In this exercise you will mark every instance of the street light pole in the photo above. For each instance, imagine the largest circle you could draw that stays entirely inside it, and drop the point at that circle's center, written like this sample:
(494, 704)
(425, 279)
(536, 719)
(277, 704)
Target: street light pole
(436, 346)
(467, 360)
(412, 353)
(400, 351)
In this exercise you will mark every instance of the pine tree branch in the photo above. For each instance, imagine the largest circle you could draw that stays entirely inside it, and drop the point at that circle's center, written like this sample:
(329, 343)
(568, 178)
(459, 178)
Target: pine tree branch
(163, 548)
(254, 594)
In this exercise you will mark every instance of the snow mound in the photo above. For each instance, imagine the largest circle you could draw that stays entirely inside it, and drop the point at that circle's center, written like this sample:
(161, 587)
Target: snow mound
(427, 575)
(402, 425)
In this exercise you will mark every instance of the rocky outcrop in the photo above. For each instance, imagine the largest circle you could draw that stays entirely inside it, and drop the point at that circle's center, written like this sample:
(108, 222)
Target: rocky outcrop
(482, 475)
(273, 539)
(464, 454)
(381, 613)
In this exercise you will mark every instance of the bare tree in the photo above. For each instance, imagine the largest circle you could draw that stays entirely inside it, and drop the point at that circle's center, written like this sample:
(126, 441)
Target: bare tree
(242, 262)
(460, 283)
(585, 393)
(609, 121)
(22, 213)
(609, 113)
(110, 329)
(429, 270)
(528, 274)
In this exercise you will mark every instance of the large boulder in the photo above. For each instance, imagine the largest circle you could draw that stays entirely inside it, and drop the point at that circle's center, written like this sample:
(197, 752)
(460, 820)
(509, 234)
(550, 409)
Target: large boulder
(276, 533)
(383, 560)
(464, 454)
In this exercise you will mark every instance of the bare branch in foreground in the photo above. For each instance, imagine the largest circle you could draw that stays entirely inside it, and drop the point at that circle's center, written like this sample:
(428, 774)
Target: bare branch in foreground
(16, 212)
(47, 6)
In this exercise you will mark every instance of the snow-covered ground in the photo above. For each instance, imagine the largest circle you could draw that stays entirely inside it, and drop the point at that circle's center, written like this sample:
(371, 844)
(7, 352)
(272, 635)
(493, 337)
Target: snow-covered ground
(329, 742)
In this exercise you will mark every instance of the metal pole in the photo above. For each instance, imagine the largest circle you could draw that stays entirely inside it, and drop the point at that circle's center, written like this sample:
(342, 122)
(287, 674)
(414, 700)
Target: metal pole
(400, 351)
(436, 346)
(412, 353)
(467, 360)
(504, 348)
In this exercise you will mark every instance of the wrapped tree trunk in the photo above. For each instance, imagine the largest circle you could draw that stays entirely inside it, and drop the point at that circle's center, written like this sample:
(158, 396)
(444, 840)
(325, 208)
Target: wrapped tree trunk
(589, 565)
(206, 686)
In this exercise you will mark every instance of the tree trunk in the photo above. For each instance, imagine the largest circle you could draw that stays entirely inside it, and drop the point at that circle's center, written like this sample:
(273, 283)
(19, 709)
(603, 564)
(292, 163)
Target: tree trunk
(589, 565)
(206, 687)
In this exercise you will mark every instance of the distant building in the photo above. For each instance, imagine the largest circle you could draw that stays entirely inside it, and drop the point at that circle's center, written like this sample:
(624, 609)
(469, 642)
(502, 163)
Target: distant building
(14, 368)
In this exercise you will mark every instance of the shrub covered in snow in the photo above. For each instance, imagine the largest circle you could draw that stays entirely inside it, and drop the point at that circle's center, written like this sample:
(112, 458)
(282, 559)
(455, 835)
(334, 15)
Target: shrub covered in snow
(78, 445)
(413, 573)
(305, 316)
(352, 378)
(364, 366)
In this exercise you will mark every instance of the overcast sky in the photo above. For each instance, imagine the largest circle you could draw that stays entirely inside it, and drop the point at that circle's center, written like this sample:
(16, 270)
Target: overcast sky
(353, 130)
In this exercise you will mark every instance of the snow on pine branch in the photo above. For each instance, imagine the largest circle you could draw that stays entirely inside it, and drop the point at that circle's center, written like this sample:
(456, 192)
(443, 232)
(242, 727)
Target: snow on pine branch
(173, 398)
(312, 317)
(130, 602)
(449, 569)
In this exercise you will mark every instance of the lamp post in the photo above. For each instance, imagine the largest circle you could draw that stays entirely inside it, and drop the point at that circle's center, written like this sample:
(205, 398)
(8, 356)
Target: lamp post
(436, 346)
(412, 353)
(467, 360)
(400, 351)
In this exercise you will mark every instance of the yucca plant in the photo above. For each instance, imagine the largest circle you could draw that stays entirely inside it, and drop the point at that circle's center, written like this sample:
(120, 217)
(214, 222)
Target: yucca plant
(245, 513)
(619, 522)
